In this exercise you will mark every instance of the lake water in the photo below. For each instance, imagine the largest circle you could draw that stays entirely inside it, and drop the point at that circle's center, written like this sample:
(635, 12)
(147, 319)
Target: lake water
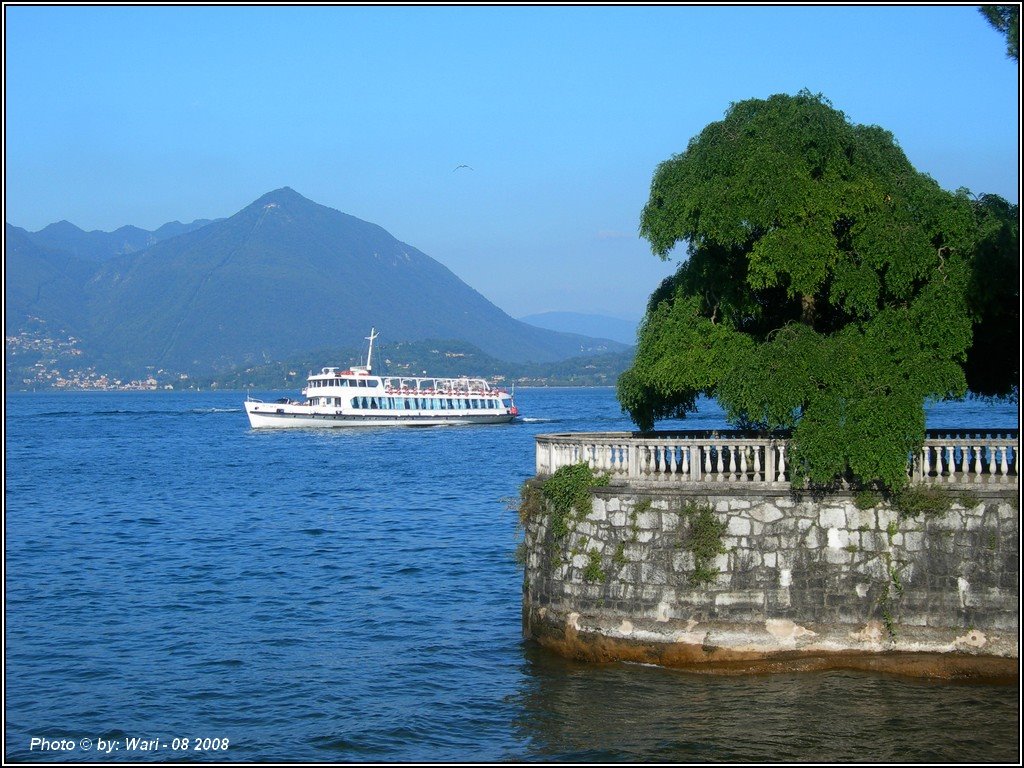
(351, 596)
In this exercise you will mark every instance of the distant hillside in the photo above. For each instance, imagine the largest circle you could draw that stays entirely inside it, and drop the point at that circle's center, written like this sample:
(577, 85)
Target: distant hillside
(41, 282)
(598, 326)
(281, 277)
(430, 358)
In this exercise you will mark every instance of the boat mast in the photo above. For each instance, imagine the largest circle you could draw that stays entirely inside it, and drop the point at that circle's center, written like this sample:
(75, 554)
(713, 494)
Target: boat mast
(369, 355)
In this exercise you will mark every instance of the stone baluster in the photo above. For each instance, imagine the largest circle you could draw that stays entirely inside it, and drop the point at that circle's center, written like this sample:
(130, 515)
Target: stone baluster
(743, 462)
(633, 471)
(949, 462)
(1002, 459)
(782, 463)
(758, 477)
(977, 462)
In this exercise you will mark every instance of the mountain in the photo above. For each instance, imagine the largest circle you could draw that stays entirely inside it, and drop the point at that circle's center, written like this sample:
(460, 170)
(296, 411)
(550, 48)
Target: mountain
(598, 326)
(97, 246)
(281, 277)
(41, 282)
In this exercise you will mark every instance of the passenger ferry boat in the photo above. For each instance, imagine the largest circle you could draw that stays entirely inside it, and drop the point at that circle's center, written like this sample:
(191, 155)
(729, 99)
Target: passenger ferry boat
(356, 398)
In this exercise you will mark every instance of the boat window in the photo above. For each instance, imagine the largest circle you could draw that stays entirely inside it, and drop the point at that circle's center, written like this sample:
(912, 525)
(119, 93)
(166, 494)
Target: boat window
(373, 382)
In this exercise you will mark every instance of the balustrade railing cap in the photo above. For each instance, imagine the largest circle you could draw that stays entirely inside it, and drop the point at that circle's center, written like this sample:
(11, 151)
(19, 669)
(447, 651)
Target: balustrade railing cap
(677, 434)
(739, 434)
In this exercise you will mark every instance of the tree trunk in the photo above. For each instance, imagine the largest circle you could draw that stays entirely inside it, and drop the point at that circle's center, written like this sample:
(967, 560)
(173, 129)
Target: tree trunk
(807, 313)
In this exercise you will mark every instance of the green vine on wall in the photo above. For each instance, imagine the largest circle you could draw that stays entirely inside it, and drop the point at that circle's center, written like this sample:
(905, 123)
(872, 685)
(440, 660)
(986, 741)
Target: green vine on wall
(594, 571)
(568, 491)
(704, 541)
(913, 501)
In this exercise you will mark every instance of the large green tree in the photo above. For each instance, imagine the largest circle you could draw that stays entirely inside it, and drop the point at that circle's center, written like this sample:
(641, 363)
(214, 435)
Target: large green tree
(1006, 20)
(825, 289)
(992, 365)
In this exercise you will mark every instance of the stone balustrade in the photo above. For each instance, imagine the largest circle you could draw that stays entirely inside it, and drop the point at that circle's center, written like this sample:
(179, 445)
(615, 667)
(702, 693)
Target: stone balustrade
(727, 457)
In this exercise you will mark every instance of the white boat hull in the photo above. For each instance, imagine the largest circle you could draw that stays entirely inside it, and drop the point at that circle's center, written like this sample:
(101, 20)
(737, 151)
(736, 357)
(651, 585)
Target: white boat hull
(299, 416)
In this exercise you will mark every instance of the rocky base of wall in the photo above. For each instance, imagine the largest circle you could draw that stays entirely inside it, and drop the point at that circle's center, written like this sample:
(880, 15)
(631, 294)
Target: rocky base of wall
(775, 646)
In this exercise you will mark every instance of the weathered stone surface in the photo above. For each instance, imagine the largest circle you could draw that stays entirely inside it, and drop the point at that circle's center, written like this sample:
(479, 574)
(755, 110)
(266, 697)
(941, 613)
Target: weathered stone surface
(809, 583)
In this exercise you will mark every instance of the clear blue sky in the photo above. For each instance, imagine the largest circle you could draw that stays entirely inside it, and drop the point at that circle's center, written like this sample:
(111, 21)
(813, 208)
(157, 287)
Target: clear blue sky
(143, 115)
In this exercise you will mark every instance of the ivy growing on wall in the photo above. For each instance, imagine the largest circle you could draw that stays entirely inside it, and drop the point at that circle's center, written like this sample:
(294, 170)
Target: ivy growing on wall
(703, 541)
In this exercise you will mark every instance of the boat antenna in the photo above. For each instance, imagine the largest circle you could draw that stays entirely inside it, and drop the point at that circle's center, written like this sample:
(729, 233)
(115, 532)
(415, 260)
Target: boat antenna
(369, 355)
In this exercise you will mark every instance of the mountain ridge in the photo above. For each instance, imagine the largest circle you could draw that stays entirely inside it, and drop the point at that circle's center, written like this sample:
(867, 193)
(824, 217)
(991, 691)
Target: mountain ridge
(586, 324)
(280, 277)
(97, 245)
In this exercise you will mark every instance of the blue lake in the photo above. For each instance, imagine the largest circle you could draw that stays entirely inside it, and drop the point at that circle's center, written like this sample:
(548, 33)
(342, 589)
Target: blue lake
(351, 596)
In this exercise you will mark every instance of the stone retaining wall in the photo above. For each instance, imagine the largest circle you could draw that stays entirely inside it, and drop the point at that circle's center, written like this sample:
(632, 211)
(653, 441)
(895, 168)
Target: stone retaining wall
(800, 583)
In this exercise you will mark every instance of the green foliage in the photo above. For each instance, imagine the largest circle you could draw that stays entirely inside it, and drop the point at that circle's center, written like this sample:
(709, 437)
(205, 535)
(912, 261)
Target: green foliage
(593, 571)
(994, 299)
(915, 500)
(825, 289)
(531, 501)
(619, 558)
(968, 499)
(1006, 20)
(568, 491)
(521, 555)
(639, 508)
(704, 540)
(866, 499)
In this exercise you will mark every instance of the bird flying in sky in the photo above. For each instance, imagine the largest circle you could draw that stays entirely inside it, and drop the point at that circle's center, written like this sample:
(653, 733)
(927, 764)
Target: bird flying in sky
(460, 166)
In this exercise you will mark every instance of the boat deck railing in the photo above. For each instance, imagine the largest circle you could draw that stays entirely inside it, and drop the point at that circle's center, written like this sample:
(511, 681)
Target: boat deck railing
(729, 457)
(438, 386)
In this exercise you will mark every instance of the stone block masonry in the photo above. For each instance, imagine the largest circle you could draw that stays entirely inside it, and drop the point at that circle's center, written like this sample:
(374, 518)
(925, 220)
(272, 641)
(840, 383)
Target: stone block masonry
(769, 580)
